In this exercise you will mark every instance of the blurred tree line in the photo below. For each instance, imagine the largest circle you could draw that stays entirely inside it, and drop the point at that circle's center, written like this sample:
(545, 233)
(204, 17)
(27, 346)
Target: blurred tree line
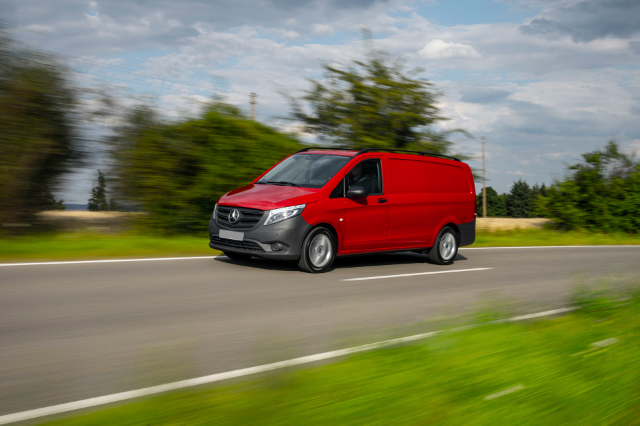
(175, 170)
(521, 201)
(599, 194)
(39, 138)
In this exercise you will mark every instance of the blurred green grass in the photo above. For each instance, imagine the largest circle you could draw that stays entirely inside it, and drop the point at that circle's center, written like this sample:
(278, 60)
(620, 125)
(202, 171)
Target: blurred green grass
(563, 380)
(96, 246)
(73, 246)
(549, 237)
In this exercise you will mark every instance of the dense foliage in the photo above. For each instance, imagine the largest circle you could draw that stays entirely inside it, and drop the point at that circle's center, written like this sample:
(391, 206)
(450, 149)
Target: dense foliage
(38, 131)
(175, 172)
(520, 201)
(375, 103)
(601, 193)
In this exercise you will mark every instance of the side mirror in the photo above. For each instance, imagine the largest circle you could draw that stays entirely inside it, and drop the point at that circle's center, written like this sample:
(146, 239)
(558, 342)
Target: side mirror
(357, 191)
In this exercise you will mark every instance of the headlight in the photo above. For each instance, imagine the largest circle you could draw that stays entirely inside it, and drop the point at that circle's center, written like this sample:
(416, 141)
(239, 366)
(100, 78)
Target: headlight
(215, 211)
(279, 215)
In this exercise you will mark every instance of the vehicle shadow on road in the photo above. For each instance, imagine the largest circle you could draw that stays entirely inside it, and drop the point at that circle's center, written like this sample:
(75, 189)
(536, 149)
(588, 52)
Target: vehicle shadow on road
(346, 262)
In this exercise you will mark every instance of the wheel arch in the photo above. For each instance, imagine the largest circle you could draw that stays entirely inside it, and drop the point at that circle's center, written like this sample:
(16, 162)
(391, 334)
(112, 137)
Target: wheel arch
(455, 228)
(330, 228)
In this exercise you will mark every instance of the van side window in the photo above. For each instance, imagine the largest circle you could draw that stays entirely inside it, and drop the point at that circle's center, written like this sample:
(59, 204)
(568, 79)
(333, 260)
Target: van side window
(367, 174)
(338, 191)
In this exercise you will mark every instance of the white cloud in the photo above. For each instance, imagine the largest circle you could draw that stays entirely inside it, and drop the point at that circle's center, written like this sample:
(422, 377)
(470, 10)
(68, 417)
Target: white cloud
(518, 173)
(439, 49)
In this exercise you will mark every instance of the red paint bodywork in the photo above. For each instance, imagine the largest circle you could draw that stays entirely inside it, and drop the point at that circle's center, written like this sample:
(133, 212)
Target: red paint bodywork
(424, 194)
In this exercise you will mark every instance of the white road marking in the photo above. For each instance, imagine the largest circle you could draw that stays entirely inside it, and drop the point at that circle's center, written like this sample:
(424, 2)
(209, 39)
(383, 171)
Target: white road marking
(504, 392)
(106, 261)
(418, 273)
(211, 257)
(598, 345)
(538, 247)
(122, 396)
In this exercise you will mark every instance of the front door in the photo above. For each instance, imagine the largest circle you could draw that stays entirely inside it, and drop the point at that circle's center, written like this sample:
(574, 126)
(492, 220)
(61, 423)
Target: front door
(366, 221)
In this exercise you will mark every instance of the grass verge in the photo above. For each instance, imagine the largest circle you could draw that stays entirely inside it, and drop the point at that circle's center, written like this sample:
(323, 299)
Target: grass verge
(97, 246)
(546, 237)
(575, 370)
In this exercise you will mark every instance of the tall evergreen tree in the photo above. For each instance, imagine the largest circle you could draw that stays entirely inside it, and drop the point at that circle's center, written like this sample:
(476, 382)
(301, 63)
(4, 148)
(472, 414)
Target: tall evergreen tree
(520, 201)
(98, 201)
(495, 204)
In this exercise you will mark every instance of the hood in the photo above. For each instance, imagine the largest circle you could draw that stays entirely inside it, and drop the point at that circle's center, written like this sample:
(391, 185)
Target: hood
(269, 197)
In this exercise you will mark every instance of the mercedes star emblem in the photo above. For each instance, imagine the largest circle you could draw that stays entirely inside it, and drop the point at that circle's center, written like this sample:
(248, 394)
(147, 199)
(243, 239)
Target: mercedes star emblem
(234, 216)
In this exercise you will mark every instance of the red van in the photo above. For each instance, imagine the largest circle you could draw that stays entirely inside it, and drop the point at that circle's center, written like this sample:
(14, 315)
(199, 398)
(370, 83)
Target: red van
(320, 203)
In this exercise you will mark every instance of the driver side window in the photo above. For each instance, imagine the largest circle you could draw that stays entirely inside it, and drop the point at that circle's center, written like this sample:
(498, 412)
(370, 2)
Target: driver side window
(367, 174)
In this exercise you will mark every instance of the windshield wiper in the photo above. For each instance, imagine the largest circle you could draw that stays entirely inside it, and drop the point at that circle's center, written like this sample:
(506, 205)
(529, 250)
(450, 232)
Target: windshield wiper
(282, 182)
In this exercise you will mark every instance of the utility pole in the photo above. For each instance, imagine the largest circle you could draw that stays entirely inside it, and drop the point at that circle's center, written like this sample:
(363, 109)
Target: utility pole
(484, 186)
(253, 106)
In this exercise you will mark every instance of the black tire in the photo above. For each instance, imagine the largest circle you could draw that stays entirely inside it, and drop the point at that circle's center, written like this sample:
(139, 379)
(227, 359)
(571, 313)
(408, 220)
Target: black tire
(445, 249)
(318, 251)
(237, 256)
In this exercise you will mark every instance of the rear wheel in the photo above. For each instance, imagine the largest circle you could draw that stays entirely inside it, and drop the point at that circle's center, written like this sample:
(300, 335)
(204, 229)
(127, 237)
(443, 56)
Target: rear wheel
(446, 247)
(237, 256)
(318, 251)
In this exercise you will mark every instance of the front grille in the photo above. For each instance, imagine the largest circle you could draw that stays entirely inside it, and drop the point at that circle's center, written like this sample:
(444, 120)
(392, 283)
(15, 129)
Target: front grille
(248, 217)
(245, 245)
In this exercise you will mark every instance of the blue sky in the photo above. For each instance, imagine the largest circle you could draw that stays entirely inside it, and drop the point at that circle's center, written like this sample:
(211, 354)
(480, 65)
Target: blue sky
(542, 80)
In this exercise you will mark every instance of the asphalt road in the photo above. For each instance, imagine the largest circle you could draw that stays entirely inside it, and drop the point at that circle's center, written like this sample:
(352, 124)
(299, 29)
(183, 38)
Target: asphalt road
(76, 331)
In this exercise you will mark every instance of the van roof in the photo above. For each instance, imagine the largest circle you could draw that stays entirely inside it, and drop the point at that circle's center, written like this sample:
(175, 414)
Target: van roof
(330, 152)
(351, 152)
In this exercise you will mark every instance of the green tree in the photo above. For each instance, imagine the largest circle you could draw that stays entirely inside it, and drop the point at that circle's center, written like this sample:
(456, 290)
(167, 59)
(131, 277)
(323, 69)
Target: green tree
(374, 103)
(39, 139)
(537, 192)
(601, 193)
(495, 204)
(520, 201)
(49, 202)
(98, 201)
(176, 171)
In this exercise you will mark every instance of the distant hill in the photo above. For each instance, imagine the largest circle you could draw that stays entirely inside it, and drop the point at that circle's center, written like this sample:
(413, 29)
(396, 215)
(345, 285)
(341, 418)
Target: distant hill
(76, 207)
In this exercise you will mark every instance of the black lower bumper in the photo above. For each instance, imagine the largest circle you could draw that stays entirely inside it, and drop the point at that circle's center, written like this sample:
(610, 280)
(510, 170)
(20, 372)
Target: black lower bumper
(467, 233)
(258, 241)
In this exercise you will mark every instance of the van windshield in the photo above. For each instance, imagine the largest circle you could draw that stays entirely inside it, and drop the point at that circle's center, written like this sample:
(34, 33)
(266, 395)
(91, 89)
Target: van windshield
(305, 170)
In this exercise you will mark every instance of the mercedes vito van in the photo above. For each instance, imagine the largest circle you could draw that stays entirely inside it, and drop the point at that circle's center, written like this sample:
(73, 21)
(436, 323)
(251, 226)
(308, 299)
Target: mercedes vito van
(320, 203)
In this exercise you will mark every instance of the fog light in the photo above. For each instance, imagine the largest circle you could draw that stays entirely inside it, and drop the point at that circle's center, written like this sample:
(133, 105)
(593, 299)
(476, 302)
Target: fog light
(276, 247)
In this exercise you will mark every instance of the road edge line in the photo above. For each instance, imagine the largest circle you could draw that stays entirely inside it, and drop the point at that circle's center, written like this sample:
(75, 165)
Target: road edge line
(535, 247)
(70, 262)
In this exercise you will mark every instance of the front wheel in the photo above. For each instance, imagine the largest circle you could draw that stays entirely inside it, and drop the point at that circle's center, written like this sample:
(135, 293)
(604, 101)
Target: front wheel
(446, 247)
(318, 251)
(237, 256)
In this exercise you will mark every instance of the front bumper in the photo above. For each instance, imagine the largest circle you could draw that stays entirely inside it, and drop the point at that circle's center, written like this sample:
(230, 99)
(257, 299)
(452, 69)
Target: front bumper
(258, 240)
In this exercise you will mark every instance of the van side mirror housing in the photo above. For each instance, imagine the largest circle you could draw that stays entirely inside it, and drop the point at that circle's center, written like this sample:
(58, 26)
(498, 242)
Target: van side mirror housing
(357, 191)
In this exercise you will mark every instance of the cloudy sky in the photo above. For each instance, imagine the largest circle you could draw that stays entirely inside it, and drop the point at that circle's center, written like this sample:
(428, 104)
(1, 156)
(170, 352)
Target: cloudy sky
(542, 80)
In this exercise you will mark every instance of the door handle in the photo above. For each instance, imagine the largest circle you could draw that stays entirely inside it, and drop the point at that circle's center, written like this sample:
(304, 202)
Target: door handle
(382, 200)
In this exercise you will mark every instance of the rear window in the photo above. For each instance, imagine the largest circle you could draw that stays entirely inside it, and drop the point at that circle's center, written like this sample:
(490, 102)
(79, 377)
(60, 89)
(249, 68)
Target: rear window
(414, 176)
